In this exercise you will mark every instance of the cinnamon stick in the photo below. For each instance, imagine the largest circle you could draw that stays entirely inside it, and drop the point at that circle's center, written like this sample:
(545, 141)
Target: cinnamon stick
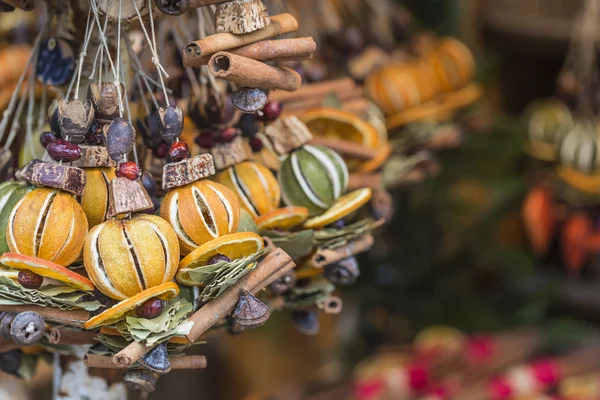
(306, 103)
(321, 90)
(332, 305)
(184, 362)
(345, 147)
(25, 5)
(275, 50)
(251, 73)
(195, 51)
(68, 317)
(275, 265)
(71, 336)
(323, 257)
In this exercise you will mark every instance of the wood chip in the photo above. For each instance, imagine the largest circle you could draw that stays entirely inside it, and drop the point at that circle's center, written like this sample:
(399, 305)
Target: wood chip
(25, 173)
(187, 171)
(127, 196)
(94, 156)
(287, 134)
(241, 16)
(226, 155)
(57, 176)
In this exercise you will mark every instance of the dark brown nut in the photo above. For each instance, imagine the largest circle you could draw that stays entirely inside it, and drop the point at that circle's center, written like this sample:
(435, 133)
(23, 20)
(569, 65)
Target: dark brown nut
(29, 279)
(57, 176)
(105, 99)
(27, 328)
(172, 7)
(63, 150)
(75, 119)
(120, 138)
(249, 100)
(171, 122)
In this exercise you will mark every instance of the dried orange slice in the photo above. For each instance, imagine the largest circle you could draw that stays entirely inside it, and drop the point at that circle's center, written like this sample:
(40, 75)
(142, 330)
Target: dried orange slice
(344, 206)
(116, 313)
(234, 246)
(338, 124)
(47, 269)
(283, 218)
(588, 183)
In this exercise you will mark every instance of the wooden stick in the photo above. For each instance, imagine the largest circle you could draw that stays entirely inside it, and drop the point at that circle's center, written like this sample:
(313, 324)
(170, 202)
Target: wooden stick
(251, 73)
(25, 5)
(195, 51)
(320, 90)
(323, 257)
(275, 265)
(68, 317)
(345, 147)
(306, 103)
(71, 336)
(275, 50)
(184, 362)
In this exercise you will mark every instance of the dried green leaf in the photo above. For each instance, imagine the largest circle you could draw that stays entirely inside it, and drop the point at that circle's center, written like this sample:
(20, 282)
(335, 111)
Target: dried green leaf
(306, 296)
(330, 238)
(296, 244)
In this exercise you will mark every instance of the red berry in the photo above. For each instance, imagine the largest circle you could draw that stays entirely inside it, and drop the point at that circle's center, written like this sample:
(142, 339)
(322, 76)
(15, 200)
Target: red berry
(30, 280)
(179, 151)
(46, 138)
(62, 150)
(216, 258)
(129, 170)
(161, 151)
(272, 111)
(206, 140)
(228, 134)
(151, 308)
(256, 144)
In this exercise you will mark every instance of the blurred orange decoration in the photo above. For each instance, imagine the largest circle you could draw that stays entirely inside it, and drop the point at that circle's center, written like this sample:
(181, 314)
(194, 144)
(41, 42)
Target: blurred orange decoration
(538, 214)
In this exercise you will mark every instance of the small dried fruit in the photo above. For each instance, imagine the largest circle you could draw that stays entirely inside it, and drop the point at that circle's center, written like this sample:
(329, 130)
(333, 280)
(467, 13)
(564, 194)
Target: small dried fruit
(228, 134)
(219, 111)
(161, 151)
(120, 137)
(171, 122)
(150, 308)
(248, 124)
(30, 280)
(149, 183)
(216, 258)
(256, 144)
(46, 138)
(249, 100)
(271, 111)
(129, 170)
(206, 140)
(62, 150)
(179, 151)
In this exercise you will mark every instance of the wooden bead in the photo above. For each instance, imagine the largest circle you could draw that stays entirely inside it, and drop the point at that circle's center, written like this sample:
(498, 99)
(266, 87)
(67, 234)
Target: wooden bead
(75, 119)
(57, 176)
(120, 137)
(241, 16)
(187, 171)
(127, 196)
(105, 99)
(226, 155)
(287, 134)
(93, 157)
(171, 122)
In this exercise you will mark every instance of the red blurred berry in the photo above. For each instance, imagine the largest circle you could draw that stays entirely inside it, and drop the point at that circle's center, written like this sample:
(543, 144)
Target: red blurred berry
(46, 138)
(63, 150)
(271, 111)
(161, 151)
(179, 151)
(206, 140)
(129, 170)
(256, 144)
(151, 308)
(30, 280)
(228, 134)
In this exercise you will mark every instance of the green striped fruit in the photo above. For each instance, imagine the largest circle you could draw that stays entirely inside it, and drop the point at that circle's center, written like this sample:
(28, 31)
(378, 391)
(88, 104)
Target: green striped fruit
(313, 177)
(10, 194)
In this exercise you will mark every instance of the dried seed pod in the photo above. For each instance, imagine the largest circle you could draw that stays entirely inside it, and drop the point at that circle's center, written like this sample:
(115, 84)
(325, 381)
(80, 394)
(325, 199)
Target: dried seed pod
(283, 284)
(241, 16)
(58, 176)
(56, 62)
(5, 320)
(344, 272)
(157, 359)
(127, 196)
(250, 312)
(120, 137)
(75, 119)
(10, 361)
(249, 100)
(141, 379)
(187, 171)
(172, 7)
(171, 122)
(105, 99)
(27, 328)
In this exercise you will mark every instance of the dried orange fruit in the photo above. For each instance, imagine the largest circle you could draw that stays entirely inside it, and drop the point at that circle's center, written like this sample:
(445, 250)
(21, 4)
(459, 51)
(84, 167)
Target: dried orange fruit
(46, 269)
(234, 246)
(575, 241)
(283, 218)
(538, 215)
(345, 205)
(338, 124)
(116, 313)
(94, 199)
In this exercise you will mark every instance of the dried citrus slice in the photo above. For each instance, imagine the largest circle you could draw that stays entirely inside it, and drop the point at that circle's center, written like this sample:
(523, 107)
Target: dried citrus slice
(342, 208)
(166, 292)
(9, 273)
(588, 183)
(332, 123)
(382, 155)
(46, 269)
(283, 218)
(234, 246)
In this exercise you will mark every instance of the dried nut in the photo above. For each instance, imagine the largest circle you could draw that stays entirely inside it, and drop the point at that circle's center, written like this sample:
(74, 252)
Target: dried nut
(157, 359)
(271, 111)
(129, 170)
(171, 122)
(105, 100)
(256, 144)
(283, 284)
(63, 150)
(46, 138)
(172, 7)
(151, 308)
(250, 312)
(30, 280)
(120, 137)
(75, 119)
(248, 124)
(249, 100)
(307, 322)
(187, 171)
(141, 379)
(57, 176)
(27, 328)
(344, 272)
(179, 151)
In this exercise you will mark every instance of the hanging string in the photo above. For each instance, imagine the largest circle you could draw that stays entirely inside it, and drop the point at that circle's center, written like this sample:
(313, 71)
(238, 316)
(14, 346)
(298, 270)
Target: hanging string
(126, 96)
(30, 104)
(88, 34)
(118, 74)
(140, 73)
(103, 38)
(43, 105)
(189, 71)
(99, 52)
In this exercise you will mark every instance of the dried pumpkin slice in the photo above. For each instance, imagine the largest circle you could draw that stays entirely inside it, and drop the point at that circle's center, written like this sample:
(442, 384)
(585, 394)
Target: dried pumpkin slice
(588, 183)
(234, 246)
(342, 208)
(284, 218)
(116, 313)
(46, 269)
